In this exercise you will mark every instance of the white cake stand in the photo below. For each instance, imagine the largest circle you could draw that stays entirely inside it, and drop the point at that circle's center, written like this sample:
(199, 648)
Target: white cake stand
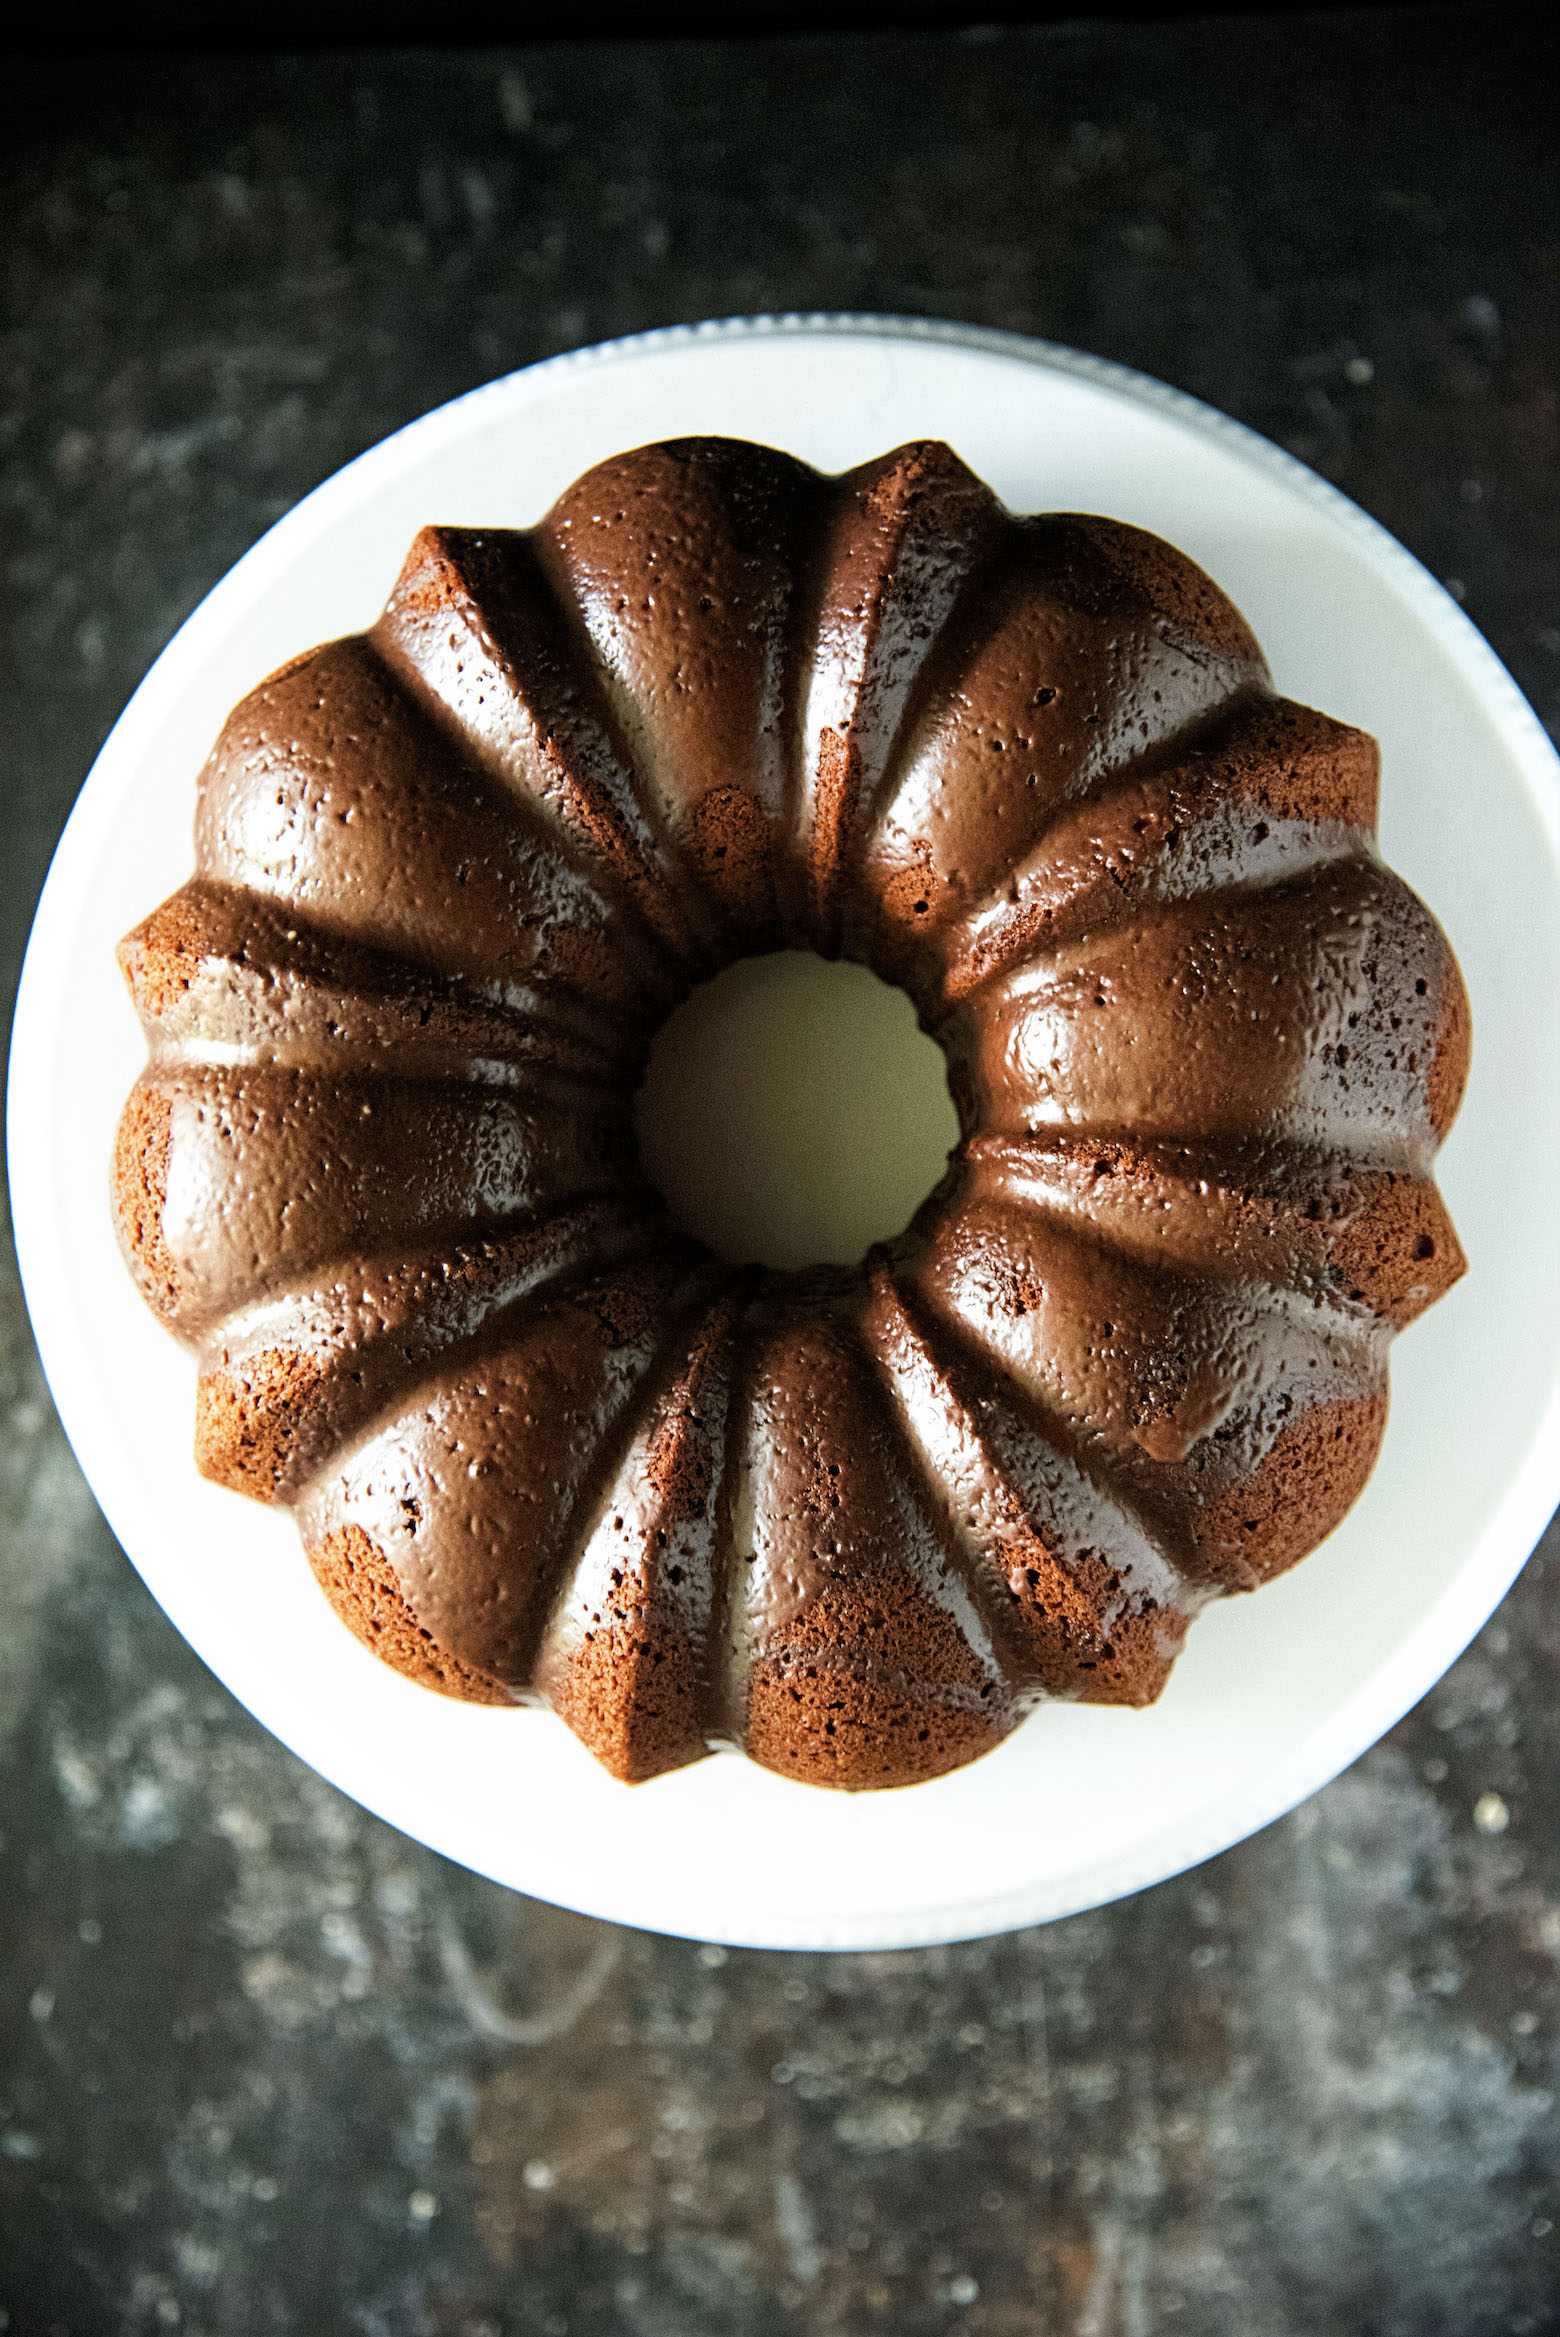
(1276, 1693)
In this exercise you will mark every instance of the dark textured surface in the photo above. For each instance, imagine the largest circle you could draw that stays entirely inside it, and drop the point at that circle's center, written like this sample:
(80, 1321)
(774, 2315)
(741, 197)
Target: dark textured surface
(266, 2067)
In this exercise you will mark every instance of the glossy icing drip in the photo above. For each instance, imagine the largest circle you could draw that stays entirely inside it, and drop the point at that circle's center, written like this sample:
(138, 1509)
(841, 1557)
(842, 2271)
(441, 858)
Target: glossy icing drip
(450, 877)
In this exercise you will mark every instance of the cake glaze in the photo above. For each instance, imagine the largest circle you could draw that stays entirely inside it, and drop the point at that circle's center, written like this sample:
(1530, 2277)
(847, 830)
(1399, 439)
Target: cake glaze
(451, 876)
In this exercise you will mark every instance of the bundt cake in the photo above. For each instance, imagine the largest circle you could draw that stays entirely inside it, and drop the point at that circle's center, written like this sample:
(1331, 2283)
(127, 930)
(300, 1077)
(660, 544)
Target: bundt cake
(451, 876)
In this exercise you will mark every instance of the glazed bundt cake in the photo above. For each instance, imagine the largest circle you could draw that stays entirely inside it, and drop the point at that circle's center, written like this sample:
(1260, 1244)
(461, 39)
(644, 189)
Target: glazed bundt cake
(452, 875)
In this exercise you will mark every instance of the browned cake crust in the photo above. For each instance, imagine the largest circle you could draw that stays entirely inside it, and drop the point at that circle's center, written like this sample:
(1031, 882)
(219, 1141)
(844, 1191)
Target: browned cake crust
(361, 1585)
(1311, 1476)
(452, 874)
(869, 1721)
(250, 1419)
(140, 1192)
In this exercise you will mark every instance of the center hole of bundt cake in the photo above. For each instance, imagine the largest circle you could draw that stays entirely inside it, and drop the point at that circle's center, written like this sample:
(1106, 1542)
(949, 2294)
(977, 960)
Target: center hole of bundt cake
(793, 1113)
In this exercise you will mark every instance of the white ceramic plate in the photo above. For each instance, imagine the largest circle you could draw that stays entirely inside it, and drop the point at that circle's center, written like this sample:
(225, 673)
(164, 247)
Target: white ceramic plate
(1276, 1693)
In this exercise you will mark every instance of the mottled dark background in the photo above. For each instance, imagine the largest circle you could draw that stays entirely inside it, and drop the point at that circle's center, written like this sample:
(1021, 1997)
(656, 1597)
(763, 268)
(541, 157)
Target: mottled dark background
(264, 2065)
